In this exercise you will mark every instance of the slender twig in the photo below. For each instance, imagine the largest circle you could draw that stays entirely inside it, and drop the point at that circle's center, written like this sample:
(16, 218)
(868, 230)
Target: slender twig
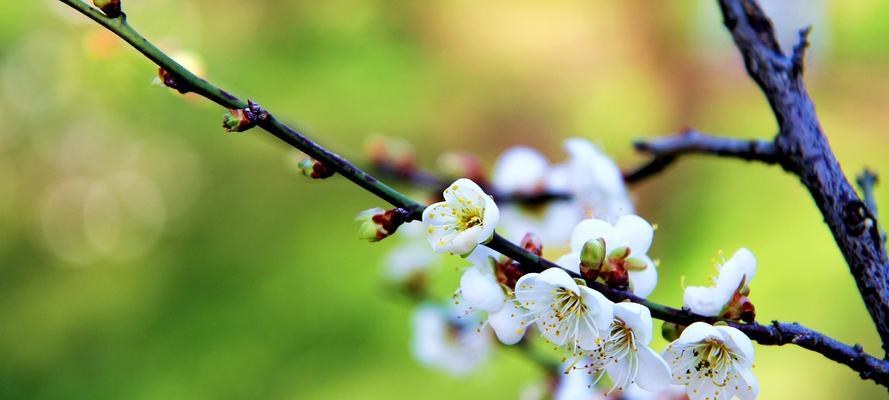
(866, 182)
(803, 150)
(868, 366)
(664, 151)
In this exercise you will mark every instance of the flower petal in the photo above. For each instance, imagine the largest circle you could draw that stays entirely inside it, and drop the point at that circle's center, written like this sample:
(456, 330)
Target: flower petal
(465, 193)
(654, 373)
(706, 301)
(637, 232)
(570, 261)
(643, 282)
(481, 290)
(532, 293)
(490, 218)
(463, 243)
(741, 267)
(636, 317)
(599, 308)
(557, 277)
(746, 386)
(739, 344)
(590, 229)
(509, 323)
(698, 332)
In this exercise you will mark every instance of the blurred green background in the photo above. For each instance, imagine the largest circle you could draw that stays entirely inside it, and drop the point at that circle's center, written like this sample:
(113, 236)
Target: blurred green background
(144, 254)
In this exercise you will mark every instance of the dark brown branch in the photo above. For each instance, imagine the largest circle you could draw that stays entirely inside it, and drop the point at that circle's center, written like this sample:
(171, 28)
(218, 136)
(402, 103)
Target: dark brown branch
(803, 149)
(664, 151)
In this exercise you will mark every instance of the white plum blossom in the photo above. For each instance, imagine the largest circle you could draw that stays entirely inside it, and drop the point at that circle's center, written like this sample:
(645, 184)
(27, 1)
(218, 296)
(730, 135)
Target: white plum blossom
(481, 290)
(625, 354)
(519, 169)
(710, 301)
(565, 313)
(445, 339)
(411, 256)
(594, 179)
(630, 231)
(464, 220)
(713, 362)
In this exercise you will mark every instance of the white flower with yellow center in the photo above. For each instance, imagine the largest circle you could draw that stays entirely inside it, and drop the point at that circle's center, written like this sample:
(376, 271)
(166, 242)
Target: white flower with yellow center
(735, 273)
(713, 362)
(566, 313)
(625, 355)
(464, 220)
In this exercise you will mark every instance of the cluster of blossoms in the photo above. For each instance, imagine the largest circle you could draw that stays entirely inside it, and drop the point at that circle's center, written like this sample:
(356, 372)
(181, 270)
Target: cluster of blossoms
(605, 244)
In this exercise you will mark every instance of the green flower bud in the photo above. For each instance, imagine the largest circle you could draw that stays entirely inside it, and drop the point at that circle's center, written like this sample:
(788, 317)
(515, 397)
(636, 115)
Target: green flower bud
(369, 229)
(314, 169)
(671, 331)
(592, 255)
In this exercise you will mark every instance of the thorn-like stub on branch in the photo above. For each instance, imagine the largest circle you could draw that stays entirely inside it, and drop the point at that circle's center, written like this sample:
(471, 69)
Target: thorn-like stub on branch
(798, 57)
(315, 169)
(240, 120)
(377, 224)
(111, 8)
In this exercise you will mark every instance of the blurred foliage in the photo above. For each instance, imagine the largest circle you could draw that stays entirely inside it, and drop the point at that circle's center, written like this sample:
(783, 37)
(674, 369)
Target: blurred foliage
(146, 255)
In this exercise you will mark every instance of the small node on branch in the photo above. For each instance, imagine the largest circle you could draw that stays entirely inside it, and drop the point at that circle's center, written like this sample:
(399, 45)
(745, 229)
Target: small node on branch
(377, 224)
(315, 169)
(798, 57)
(111, 8)
(170, 81)
(240, 120)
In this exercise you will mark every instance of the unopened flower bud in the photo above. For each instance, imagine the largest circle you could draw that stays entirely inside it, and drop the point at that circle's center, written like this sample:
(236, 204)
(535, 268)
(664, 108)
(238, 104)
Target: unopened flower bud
(532, 243)
(314, 169)
(671, 331)
(377, 224)
(111, 8)
(591, 258)
(235, 121)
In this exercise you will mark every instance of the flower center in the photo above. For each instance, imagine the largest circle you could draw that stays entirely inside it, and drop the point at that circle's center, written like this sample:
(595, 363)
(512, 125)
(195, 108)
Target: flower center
(568, 303)
(469, 218)
(712, 359)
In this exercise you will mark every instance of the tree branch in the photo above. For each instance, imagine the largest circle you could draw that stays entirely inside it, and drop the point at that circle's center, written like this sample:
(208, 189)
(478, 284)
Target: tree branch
(665, 151)
(803, 150)
(868, 366)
